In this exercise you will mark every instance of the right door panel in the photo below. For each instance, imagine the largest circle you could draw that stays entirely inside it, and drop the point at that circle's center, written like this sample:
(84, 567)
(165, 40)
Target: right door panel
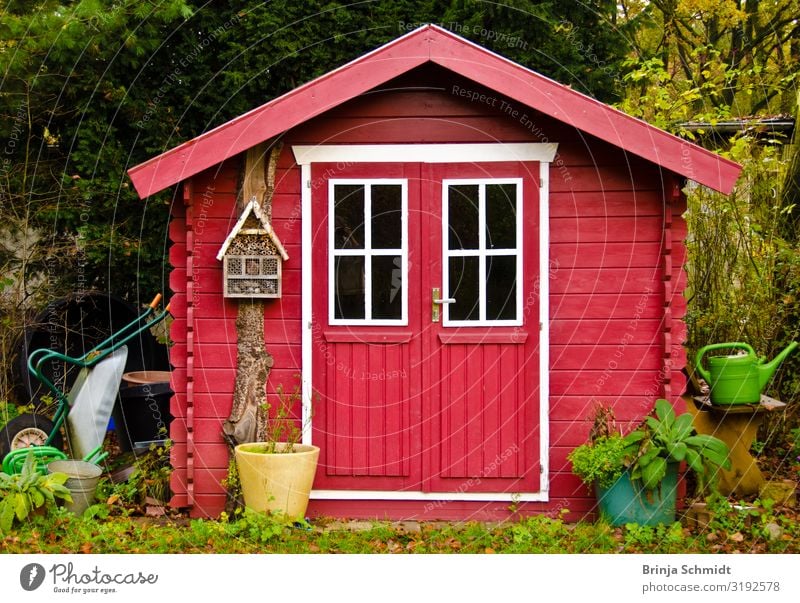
(481, 419)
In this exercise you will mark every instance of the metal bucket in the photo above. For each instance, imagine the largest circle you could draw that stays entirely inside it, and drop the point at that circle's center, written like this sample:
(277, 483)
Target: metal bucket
(82, 482)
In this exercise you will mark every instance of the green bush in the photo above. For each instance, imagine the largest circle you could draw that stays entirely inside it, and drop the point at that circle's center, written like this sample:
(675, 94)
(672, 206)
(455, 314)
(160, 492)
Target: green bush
(22, 493)
(665, 438)
(601, 461)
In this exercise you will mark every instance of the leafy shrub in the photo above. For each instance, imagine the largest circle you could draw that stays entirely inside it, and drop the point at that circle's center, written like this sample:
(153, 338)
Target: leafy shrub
(665, 438)
(10, 411)
(662, 439)
(24, 492)
(601, 461)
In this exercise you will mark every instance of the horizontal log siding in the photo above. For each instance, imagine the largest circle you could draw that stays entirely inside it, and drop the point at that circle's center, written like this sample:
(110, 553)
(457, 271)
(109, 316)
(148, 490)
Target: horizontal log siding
(606, 303)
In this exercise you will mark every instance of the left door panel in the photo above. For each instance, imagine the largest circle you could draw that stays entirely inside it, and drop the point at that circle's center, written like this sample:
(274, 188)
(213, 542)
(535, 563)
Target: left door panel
(366, 345)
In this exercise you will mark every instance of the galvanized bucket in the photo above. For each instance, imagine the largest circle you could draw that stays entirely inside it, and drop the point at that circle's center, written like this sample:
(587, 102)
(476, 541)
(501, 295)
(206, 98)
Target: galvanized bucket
(82, 482)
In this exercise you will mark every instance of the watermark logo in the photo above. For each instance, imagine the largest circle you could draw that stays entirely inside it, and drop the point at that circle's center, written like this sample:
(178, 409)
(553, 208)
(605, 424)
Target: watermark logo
(31, 576)
(67, 579)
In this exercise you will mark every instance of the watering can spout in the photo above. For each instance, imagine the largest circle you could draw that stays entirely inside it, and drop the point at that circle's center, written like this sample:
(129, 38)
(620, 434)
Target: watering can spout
(766, 370)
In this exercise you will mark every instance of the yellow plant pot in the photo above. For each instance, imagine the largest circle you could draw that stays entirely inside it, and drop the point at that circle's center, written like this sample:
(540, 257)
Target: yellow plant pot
(276, 482)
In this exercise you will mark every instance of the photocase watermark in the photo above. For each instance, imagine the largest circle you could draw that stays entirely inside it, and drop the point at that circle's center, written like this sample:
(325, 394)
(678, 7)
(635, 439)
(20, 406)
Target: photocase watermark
(362, 375)
(472, 482)
(155, 409)
(477, 30)
(655, 388)
(314, 184)
(66, 579)
(199, 227)
(349, 371)
(533, 297)
(570, 32)
(687, 163)
(330, 172)
(17, 129)
(31, 576)
(397, 277)
(522, 117)
(627, 337)
(182, 64)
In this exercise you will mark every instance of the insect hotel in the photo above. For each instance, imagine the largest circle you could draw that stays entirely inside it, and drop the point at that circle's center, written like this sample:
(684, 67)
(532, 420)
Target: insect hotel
(251, 257)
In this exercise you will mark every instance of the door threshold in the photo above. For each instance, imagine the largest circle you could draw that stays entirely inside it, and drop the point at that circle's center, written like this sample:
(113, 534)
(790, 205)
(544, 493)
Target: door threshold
(437, 496)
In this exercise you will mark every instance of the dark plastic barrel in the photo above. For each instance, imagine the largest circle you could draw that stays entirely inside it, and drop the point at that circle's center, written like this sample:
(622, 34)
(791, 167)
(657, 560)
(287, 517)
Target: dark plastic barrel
(142, 416)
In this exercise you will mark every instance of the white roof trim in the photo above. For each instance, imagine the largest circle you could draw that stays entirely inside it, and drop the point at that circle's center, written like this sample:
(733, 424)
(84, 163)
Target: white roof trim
(255, 208)
(425, 153)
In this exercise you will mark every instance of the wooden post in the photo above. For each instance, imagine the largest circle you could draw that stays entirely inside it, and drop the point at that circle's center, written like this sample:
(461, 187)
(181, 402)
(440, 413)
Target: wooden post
(248, 419)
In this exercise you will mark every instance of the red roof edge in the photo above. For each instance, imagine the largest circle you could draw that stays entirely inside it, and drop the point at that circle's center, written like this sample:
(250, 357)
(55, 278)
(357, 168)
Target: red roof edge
(435, 44)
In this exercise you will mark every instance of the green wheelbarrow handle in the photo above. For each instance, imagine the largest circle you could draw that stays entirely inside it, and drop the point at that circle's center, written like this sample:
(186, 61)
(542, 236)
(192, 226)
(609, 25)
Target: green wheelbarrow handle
(96, 456)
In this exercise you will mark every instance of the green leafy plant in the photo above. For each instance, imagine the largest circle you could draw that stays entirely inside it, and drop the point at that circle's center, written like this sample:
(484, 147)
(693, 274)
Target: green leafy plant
(153, 471)
(23, 493)
(150, 479)
(233, 488)
(283, 430)
(10, 411)
(601, 461)
(255, 527)
(665, 438)
(667, 537)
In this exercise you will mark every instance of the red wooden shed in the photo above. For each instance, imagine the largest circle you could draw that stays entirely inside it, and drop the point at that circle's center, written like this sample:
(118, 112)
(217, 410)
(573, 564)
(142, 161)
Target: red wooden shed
(476, 254)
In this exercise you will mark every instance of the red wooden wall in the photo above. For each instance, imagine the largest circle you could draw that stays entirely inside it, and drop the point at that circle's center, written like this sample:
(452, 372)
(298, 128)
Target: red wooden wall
(616, 281)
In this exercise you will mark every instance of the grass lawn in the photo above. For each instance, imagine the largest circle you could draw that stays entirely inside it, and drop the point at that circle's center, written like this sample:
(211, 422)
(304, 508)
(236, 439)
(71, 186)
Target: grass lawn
(112, 529)
(120, 523)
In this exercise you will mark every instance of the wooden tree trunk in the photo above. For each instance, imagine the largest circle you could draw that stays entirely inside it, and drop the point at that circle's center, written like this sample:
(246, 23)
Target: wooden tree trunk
(248, 419)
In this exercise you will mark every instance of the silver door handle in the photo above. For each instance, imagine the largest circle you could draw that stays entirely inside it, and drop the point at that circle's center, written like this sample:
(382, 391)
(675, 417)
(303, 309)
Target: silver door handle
(437, 303)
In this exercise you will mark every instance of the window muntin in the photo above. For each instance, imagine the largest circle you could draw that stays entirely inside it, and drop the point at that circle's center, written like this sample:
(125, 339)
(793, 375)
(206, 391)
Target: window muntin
(368, 252)
(482, 234)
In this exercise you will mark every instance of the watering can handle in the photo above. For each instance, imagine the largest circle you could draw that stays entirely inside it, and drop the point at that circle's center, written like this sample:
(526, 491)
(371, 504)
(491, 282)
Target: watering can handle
(698, 363)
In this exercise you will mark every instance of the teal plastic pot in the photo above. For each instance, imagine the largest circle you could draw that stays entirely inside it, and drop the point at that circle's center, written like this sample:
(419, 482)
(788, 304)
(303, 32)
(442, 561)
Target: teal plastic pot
(625, 502)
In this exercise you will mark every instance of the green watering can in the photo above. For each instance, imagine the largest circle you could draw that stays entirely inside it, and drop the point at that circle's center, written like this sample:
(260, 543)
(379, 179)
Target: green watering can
(738, 379)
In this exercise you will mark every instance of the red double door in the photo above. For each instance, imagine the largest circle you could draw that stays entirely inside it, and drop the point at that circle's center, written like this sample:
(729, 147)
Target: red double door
(425, 327)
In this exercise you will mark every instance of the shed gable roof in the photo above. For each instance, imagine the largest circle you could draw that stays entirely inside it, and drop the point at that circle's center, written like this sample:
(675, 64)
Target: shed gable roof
(431, 43)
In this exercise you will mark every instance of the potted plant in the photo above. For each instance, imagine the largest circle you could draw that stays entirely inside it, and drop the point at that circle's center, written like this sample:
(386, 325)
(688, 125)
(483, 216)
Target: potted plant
(635, 476)
(276, 475)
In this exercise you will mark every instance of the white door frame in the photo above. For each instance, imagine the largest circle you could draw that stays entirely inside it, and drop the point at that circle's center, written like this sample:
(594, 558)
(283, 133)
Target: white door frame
(346, 155)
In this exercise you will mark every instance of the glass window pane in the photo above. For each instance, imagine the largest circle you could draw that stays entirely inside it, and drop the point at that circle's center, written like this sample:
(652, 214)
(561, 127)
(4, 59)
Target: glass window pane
(386, 216)
(501, 287)
(348, 231)
(464, 288)
(462, 210)
(349, 286)
(387, 287)
(501, 216)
